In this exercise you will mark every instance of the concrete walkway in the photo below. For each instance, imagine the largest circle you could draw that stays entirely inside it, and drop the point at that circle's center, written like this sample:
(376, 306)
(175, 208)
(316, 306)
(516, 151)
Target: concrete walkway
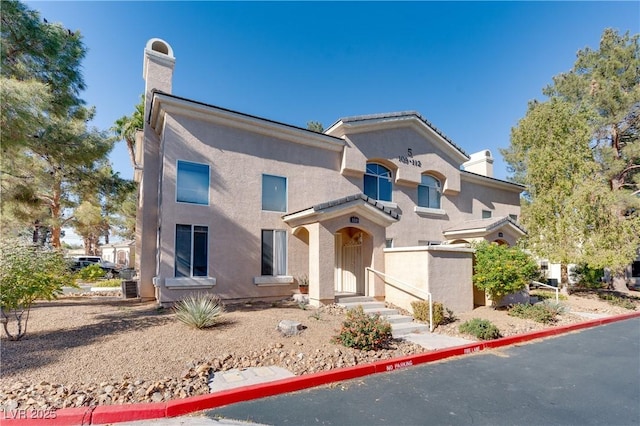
(224, 380)
(435, 341)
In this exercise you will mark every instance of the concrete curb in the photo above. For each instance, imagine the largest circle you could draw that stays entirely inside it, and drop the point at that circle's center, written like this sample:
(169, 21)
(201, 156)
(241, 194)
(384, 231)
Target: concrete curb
(145, 411)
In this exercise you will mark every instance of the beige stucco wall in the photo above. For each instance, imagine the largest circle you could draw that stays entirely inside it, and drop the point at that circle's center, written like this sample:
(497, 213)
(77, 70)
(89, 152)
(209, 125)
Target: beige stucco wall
(235, 218)
(445, 272)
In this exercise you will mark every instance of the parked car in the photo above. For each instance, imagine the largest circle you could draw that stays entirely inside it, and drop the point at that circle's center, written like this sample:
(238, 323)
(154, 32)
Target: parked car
(78, 262)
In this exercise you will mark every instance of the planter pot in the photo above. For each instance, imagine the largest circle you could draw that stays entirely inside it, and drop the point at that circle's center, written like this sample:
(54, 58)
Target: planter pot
(304, 289)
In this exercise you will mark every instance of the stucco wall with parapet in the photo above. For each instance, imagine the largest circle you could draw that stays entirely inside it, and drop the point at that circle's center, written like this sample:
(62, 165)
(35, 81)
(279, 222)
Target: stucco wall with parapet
(445, 272)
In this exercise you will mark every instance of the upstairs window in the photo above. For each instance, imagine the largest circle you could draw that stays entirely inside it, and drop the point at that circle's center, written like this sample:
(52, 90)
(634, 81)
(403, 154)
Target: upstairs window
(191, 252)
(377, 182)
(429, 192)
(486, 214)
(274, 193)
(274, 252)
(192, 183)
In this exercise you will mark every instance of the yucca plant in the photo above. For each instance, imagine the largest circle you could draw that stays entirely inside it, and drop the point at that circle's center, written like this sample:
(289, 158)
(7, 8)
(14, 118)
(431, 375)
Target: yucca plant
(199, 310)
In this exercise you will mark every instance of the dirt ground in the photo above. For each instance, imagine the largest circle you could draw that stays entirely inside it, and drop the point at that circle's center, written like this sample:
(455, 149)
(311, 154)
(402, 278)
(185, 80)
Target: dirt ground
(100, 339)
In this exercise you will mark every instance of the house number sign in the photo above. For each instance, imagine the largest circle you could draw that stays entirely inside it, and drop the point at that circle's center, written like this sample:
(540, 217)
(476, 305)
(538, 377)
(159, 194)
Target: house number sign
(354, 219)
(408, 159)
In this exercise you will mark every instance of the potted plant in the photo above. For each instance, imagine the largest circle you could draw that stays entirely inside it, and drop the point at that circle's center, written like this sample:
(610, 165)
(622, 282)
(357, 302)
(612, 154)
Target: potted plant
(303, 284)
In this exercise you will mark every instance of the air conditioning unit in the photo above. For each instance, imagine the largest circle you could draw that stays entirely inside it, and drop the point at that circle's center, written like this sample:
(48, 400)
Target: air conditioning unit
(129, 289)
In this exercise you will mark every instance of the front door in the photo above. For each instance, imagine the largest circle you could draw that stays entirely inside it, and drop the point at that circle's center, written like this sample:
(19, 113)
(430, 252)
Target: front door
(350, 268)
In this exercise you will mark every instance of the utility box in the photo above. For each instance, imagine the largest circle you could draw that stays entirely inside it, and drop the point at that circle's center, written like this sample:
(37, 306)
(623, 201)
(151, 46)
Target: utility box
(129, 289)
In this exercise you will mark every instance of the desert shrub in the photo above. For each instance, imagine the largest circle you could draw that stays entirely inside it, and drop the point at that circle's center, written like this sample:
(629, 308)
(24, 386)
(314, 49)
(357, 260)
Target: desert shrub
(500, 270)
(554, 307)
(90, 273)
(441, 315)
(480, 328)
(27, 273)
(538, 312)
(587, 277)
(363, 331)
(614, 300)
(199, 310)
(115, 282)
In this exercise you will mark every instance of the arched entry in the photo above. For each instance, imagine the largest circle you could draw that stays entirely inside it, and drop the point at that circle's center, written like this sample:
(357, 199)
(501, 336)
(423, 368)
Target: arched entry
(352, 247)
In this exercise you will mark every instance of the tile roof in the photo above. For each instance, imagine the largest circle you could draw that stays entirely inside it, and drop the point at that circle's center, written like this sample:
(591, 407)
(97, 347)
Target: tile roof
(402, 114)
(359, 196)
(485, 224)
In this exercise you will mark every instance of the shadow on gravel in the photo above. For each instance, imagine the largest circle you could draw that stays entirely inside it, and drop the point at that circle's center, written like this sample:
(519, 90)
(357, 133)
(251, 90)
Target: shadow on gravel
(38, 349)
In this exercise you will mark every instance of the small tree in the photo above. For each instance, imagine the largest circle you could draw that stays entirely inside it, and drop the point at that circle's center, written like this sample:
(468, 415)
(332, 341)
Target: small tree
(501, 270)
(27, 273)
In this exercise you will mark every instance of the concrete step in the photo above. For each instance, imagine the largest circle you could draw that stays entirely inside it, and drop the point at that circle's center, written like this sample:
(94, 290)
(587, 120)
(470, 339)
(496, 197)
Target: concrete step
(382, 311)
(402, 329)
(398, 319)
(354, 299)
(365, 305)
(401, 325)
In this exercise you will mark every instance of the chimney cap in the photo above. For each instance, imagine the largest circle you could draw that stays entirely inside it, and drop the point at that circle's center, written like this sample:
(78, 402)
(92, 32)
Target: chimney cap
(159, 46)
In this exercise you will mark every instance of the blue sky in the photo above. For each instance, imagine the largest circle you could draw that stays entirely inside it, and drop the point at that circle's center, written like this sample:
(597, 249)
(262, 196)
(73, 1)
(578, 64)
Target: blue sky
(468, 67)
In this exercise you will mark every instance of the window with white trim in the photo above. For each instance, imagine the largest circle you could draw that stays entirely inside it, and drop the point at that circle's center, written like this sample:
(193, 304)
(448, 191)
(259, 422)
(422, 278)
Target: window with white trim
(486, 214)
(192, 183)
(274, 252)
(274, 193)
(191, 253)
(377, 182)
(429, 192)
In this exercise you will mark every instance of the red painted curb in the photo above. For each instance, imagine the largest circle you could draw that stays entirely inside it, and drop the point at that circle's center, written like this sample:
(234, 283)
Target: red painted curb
(144, 411)
(248, 393)
(50, 417)
(128, 412)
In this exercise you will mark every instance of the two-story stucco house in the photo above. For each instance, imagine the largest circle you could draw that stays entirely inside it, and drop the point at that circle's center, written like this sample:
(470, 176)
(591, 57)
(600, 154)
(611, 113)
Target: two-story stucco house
(241, 205)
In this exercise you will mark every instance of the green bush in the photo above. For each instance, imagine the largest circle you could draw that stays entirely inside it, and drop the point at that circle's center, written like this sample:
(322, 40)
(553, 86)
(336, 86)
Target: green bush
(90, 273)
(441, 315)
(500, 270)
(614, 300)
(199, 310)
(539, 312)
(363, 331)
(481, 329)
(115, 282)
(587, 277)
(27, 273)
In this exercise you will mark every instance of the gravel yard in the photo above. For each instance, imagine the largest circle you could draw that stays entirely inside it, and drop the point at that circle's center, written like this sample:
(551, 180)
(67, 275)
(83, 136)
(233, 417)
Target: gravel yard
(83, 351)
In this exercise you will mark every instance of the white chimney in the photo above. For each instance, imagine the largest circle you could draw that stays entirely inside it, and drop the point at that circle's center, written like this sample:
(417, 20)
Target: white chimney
(157, 68)
(480, 163)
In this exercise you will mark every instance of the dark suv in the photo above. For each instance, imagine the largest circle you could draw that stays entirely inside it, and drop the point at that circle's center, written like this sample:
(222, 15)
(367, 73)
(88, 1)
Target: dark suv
(79, 262)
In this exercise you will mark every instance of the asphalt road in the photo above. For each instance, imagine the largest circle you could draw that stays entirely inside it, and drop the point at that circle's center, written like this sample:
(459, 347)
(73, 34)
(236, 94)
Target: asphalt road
(590, 377)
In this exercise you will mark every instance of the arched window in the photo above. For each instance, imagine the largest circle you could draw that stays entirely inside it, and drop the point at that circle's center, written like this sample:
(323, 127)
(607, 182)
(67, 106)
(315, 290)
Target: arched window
(429, 192)
(377, 182)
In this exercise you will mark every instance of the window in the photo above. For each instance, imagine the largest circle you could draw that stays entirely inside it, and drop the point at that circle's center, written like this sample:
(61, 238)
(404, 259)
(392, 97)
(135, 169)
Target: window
(514, 217)
(429, 192)
(388, 243)
(377, 182)
(192, 183)
(635, 269)
(274, 193)
(191, 254)
(274, 252)
(486, 214)
(428, 243)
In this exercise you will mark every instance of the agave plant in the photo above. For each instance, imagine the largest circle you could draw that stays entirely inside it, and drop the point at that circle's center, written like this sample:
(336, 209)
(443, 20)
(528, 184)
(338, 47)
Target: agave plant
(199, 310)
